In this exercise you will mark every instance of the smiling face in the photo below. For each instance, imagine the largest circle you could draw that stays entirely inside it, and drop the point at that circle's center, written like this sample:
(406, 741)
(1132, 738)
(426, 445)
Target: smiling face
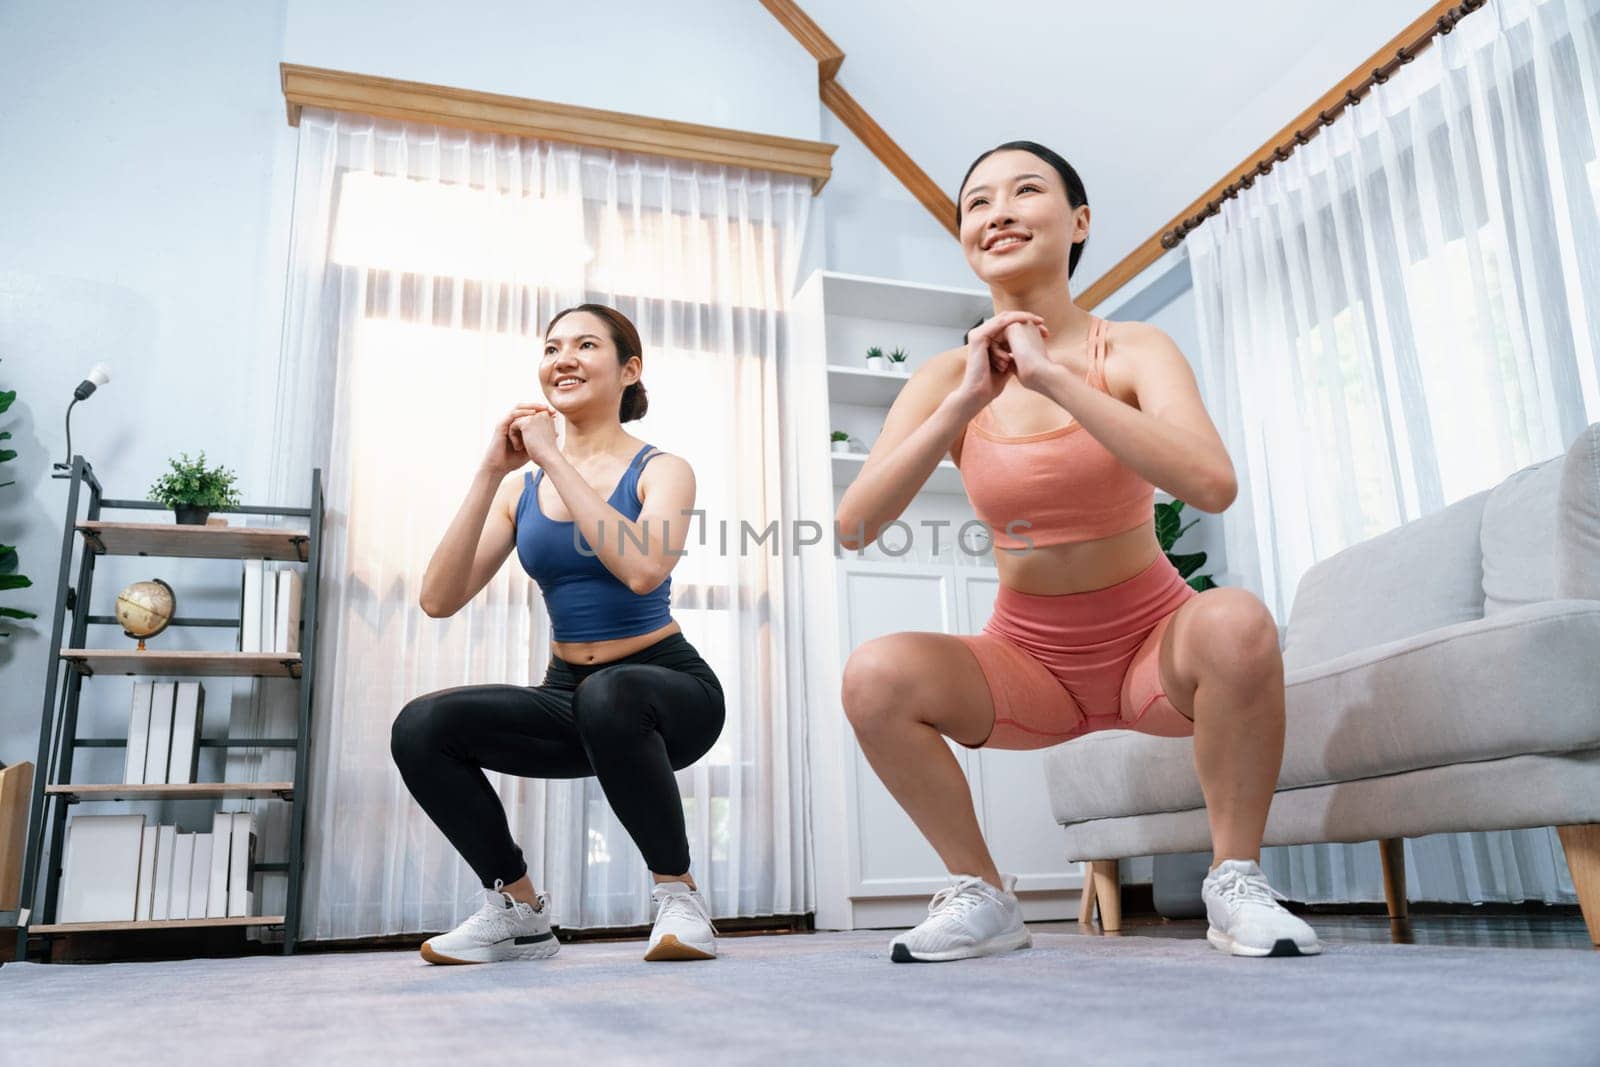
(580, 368)
(1016, 220)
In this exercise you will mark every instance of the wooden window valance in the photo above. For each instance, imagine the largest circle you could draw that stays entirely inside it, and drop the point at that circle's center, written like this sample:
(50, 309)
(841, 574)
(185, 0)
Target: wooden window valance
(565, 123)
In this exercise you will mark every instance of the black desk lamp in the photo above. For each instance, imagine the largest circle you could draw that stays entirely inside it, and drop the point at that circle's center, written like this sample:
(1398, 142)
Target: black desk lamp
(99, 376)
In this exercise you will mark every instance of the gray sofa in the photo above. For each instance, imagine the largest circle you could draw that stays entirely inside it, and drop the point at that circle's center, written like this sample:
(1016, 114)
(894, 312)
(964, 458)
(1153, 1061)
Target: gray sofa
(1443, 676)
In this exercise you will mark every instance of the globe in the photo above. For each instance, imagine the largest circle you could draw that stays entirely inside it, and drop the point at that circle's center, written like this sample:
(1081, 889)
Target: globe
(145, 608)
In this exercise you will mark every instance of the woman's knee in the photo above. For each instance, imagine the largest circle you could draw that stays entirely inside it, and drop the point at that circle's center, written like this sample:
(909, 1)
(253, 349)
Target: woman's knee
(419, 731)
(612, 705)
(1237, 636)
(877, 684)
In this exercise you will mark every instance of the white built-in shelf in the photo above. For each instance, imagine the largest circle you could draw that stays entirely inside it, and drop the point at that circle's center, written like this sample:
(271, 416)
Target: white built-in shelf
(945, 478)
(184, 664)
(861, 297)
(172, 791)
(157, 924)
(203, 542)
(871, 388)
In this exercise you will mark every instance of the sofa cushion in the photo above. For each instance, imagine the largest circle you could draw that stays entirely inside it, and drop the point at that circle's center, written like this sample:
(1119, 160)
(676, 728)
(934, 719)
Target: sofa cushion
(1519, 538)
(1425, 574)
(1578, 520)
(1525, 681)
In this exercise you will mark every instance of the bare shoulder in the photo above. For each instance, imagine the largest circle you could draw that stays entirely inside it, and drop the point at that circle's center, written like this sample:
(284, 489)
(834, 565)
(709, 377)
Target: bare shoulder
(1136, 352)
(665, 469)
(946, 366)
(1138, 337)
(510, 491)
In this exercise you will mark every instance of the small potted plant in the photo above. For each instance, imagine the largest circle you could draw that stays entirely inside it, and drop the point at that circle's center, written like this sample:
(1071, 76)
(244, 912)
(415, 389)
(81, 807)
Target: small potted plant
(897, 361)
(875, 358)
(841, 441)
(193, 491)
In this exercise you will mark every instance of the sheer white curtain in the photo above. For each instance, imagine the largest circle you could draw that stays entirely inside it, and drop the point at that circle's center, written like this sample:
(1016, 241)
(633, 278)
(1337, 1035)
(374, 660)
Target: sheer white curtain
(1401, 314)
(424, 263)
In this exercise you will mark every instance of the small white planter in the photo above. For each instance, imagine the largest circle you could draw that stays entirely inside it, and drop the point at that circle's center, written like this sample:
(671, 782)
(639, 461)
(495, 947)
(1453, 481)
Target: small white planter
(876, 363)
(841, 446)
(902, 368)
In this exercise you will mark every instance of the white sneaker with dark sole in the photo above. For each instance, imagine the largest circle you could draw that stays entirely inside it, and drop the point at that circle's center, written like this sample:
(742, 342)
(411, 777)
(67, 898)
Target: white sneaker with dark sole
(503, 929)
(1246, 918)
(968, 918)
(683, 929)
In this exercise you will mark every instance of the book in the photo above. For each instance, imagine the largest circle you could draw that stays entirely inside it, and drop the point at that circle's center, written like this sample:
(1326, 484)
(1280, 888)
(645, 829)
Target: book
(138, 733)
(182, 875)
(250, 606)
(217, 884)
(147, 872)
(286, 634)
(200, 876)
(241, 854)
(166, 853)
(187, 709)
(162, 695)
(269, 609)
(100, 868)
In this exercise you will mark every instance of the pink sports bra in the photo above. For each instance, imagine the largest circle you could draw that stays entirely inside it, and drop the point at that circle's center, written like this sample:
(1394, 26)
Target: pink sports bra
(1054, 487)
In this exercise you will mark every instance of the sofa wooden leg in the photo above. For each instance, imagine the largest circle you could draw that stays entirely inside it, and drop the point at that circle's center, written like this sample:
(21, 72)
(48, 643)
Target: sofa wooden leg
(1393, 851)
(1582, 846)
(1086, 900)
(1107, 894)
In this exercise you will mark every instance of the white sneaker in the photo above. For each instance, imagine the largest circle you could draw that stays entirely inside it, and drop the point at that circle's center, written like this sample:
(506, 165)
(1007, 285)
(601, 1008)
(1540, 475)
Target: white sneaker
(969, 918)
(503, 929)
(683, 929)
(1246, 918)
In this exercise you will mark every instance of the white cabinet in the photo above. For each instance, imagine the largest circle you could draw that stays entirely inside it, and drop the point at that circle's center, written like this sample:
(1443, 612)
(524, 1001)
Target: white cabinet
(872, 867)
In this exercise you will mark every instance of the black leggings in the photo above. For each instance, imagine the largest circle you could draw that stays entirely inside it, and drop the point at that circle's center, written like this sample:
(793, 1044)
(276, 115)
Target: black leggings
(630, 722)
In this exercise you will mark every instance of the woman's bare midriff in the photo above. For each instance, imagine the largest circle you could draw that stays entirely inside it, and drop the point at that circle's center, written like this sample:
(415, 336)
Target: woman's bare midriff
(1052, 570)
(591, 652)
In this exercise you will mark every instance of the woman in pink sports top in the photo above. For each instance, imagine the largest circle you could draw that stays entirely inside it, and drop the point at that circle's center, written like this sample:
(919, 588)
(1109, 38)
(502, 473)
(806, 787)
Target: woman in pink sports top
(1062, 425)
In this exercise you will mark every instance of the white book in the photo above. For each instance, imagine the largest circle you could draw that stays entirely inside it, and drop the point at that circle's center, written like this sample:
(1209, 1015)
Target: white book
(186, 712)
(147, 872)
(250, 606)
(269, 609)
(200, 876)
(241, 850)
(100, 868)
(217, 886)
(182, 874)
(162, 695)
(166, 853)
(138, 734)
(286, 634)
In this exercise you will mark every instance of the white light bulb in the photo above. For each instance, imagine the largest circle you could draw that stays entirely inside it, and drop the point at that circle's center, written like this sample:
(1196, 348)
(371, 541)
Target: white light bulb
(100, 375)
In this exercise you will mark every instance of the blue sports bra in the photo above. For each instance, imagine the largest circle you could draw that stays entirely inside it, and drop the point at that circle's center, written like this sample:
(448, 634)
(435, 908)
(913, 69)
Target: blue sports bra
(585, 600)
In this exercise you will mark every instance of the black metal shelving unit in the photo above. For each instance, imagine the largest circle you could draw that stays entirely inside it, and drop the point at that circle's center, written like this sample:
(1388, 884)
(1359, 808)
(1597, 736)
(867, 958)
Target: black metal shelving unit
(73, 662)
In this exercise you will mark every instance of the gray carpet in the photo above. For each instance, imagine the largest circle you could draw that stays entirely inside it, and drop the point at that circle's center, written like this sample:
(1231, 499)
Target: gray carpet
(825, 998)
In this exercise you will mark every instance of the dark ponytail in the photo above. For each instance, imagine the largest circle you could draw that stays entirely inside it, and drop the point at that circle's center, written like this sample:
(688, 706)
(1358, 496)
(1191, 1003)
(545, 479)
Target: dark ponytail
(1077, 196)
(626, 337)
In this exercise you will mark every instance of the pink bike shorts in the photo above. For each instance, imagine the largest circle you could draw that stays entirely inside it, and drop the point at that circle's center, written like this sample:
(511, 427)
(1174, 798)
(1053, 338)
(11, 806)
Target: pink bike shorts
(1062, 666)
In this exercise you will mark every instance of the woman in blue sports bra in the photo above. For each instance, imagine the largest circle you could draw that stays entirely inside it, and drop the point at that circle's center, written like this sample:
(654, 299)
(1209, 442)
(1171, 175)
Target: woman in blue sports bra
(626, 698)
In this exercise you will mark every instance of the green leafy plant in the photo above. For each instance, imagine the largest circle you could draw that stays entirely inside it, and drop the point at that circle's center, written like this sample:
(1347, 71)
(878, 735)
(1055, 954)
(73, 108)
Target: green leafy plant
(874, 352)
(9, 578)
(899, 355)
(191, 484)
(839, 435)
(1170, 527)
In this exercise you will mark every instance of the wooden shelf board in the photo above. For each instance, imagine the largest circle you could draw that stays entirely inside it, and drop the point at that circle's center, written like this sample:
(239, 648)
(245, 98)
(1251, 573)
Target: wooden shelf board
(201, 542)
(185, 664)
(162, 924)
(172, 791)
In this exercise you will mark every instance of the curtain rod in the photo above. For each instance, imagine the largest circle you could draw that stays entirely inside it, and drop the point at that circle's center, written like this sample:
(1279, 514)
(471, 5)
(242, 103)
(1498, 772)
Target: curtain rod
(1326, 117)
